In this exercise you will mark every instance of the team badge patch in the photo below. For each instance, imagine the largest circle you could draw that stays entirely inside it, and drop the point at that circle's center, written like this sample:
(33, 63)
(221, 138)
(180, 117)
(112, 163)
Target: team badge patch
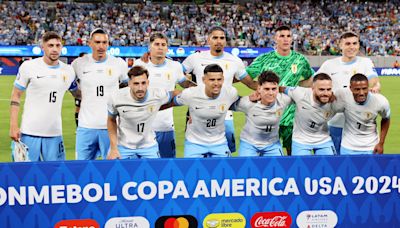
(278, 113)
(294, 68)
(109, 72)
(327, 115)
(64, 77)
(151, 108)
(222, 107)
(226, 66)
(169, 76)
(368, 115)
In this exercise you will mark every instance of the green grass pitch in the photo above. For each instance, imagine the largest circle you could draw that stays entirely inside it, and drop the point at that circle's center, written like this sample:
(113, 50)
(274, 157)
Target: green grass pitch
(389, 89)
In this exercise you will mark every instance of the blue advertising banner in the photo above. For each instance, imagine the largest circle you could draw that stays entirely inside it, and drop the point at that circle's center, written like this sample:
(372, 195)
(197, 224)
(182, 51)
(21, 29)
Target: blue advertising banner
(312, 191)
(130, 51)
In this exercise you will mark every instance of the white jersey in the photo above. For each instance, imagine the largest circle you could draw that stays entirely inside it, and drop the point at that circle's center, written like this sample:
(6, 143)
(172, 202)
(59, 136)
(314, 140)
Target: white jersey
(136, 117)
(207, 114)
(98, 81)
(311, 118)
(164, 76)
(45, 88)
(262, 121)
(341, 72)
(360, 131)
(232, 66)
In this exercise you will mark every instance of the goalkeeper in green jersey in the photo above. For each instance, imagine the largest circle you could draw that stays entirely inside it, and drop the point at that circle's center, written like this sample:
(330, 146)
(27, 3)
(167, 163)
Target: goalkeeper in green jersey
(292, 68)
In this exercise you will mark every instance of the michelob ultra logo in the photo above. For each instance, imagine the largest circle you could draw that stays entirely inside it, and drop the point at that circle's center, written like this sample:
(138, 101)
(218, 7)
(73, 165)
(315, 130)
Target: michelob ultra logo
(177, 221)
(77, 223)
(131, 222)
(233, 220)
(271, 219)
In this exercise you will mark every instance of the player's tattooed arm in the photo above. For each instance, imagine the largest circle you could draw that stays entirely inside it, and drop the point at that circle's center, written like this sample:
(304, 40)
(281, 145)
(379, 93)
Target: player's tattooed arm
(15, 132)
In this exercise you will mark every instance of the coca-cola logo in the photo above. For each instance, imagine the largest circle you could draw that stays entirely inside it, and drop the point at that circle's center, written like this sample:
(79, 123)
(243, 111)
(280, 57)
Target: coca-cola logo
(271, 219)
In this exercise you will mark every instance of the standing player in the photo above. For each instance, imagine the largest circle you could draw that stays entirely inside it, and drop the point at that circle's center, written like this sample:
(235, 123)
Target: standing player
(341, 69)
(293, 70)
(45, 80)
(99, 75)
(208, 105)
(361, 110)
(260, 135)
(313, 110)
(232, 66)
(136, 106)
(163, 74)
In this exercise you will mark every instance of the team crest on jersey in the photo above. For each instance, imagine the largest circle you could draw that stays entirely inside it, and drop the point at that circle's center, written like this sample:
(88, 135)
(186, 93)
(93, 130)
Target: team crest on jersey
(226, 66)
(327, 115)
(109, 72)
(278, 113)
(169, 76)
(354, 71)
(151, 108)
(294, 68)
(368, 115)
(64, 77)
(222, 107)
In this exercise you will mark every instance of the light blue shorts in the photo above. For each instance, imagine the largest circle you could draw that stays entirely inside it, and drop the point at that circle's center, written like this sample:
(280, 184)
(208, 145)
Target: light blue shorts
(230, 135)
(149, 152)
(326, 148)
(345, 151)
(166, 143)
(249, 150)
(193, 150)
(43, 148)
(91, 143)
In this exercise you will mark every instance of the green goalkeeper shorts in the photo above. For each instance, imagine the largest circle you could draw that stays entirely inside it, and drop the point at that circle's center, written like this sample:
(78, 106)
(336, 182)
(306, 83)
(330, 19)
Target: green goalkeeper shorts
(285, 133)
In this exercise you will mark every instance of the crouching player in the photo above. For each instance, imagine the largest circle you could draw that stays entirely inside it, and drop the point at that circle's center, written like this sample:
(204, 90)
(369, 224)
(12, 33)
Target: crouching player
(314, 108)
(208, 105)
(136, 106)
(260, 135)
(361, 109)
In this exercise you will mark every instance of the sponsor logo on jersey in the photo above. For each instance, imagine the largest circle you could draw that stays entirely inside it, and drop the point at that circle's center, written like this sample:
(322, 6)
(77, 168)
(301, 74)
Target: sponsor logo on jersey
(294, 68)
(178, 221)
(234, 220)
(89, 223)
(317, 218)
(271, 219)
(131, 222)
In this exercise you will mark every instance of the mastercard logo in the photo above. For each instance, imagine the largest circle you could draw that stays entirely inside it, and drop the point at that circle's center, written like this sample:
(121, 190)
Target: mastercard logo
(179, 221)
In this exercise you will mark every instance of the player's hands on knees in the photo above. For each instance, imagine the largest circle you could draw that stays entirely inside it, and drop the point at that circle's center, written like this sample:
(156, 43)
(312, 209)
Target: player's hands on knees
(145, 57)
(15, 133)
(114, 154)
(378, 148)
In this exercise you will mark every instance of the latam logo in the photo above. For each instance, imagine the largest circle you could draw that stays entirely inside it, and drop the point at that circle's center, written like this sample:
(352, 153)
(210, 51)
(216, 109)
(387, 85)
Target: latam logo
(271, 219)
(390, 72)
(178, 221)
(77, 223)
(131, 222)
(317, 218)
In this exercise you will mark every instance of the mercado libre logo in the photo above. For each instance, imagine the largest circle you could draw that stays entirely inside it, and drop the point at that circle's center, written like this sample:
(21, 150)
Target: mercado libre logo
(233, 220)
(177, 221)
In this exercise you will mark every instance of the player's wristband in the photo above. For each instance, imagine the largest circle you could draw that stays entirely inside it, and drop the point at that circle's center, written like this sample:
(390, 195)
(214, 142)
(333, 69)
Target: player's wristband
(77, 102)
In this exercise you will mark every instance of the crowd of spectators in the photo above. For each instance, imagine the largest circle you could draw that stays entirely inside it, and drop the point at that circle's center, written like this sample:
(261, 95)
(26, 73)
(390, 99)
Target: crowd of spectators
(316, 25)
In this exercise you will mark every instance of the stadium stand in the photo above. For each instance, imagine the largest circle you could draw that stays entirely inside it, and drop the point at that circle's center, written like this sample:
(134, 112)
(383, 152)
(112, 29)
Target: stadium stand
(317, 24)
